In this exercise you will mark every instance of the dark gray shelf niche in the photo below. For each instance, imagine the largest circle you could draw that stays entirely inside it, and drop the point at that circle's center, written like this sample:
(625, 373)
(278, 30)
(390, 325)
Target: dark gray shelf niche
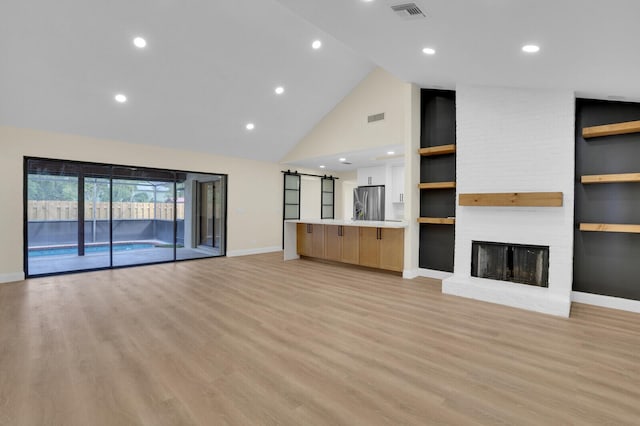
(606, 263)
(438, 127)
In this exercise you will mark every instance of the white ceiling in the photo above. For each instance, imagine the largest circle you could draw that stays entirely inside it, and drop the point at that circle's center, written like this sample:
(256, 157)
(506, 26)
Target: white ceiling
(588, 46)
(371, 157)
(210, 66)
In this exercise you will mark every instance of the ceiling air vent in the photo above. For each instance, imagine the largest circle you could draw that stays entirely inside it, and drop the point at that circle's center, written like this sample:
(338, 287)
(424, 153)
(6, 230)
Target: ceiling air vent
(408, 11)
(375, 117)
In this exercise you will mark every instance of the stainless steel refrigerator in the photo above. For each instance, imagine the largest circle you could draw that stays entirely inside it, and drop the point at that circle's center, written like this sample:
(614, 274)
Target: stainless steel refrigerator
(368, 202)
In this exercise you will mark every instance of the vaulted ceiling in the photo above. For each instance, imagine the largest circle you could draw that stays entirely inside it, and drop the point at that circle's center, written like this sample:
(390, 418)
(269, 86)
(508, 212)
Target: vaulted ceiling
(211, 67)
(588, 46)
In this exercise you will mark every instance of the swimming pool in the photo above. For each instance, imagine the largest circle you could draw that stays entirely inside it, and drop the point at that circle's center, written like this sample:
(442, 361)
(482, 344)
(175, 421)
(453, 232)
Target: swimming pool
(102, 248)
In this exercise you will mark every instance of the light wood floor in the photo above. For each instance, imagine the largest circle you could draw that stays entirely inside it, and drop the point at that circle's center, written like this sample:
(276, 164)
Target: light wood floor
(255, 340)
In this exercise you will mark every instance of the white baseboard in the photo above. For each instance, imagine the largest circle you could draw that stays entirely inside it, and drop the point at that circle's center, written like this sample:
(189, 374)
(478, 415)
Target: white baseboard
(409, 274)
(432, 273)
(606, 301)
(247, 252)
(12, 277)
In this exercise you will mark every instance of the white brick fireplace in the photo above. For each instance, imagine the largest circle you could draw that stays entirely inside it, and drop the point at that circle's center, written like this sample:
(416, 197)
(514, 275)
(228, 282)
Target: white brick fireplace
(515, 140)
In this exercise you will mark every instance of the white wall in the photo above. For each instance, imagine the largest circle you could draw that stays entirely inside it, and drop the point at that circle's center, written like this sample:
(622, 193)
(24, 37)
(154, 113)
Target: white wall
(515, 140)
(412, 127)
(254, 187)
(310, 197)
(345, 128)
(347, 198)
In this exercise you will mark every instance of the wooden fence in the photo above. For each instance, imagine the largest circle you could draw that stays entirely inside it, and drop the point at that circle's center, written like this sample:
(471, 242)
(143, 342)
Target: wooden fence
(68, 210)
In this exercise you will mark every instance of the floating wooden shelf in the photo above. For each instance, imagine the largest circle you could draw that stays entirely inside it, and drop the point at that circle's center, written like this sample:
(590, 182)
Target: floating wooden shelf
(610, 227)
(437, 185)
(437, 220)
(624, 177)
(437, 150)
(611, 129)
(508, 199)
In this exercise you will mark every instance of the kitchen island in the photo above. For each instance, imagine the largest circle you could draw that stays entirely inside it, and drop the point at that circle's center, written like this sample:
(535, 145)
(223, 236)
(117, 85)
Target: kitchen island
(375, 244)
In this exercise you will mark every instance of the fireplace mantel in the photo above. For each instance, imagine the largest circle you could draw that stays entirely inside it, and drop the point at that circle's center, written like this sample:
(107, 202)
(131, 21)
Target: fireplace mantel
(512, 199)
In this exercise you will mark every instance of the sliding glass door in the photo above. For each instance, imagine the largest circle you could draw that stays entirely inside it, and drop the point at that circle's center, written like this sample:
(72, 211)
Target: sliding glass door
(143, 221)
(81, 216)
(52, 220)
(97, 216)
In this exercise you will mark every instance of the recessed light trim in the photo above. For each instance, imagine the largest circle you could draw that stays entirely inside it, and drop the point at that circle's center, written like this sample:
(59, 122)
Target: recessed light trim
(250, 126)
(139, 42)
(279, 90)
(390, 152)
(342, 160)
(120, 98)
(429, 51)
(530, 48)
(317, 44)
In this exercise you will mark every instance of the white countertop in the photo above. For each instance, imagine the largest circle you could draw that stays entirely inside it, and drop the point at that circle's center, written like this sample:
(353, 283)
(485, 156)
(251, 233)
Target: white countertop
(363, 223)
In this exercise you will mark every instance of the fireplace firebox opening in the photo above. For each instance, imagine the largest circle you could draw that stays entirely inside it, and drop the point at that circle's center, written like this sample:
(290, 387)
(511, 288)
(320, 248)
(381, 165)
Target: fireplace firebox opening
(518, 263)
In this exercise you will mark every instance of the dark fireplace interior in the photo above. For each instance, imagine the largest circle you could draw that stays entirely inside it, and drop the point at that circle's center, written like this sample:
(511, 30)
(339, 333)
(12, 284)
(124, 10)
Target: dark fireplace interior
(524, 264)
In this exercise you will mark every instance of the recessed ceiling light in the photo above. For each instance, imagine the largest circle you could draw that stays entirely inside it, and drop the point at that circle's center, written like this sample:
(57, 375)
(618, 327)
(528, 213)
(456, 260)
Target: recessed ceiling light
(367, 1)
(317, 44)
(140, 42)
(390, 152)
(279, 90)
(530, 48)
(343, 160)
(250, 126)
(120, 98)
(322, 167)
(429, 51)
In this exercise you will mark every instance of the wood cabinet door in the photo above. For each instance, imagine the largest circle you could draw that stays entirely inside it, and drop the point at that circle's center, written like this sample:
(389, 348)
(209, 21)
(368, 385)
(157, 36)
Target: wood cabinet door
(317, 238)
(332, 242)
(392, 249)
(303, 239)
(350, 244)
(368, 250)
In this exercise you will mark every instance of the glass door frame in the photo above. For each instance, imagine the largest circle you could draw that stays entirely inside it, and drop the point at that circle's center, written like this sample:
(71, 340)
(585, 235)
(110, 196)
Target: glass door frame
(333, 198)
(201, 202)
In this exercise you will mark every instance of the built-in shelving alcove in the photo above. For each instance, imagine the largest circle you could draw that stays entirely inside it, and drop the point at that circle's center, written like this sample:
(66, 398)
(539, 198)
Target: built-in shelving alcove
(437, 180)
(607, 198)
